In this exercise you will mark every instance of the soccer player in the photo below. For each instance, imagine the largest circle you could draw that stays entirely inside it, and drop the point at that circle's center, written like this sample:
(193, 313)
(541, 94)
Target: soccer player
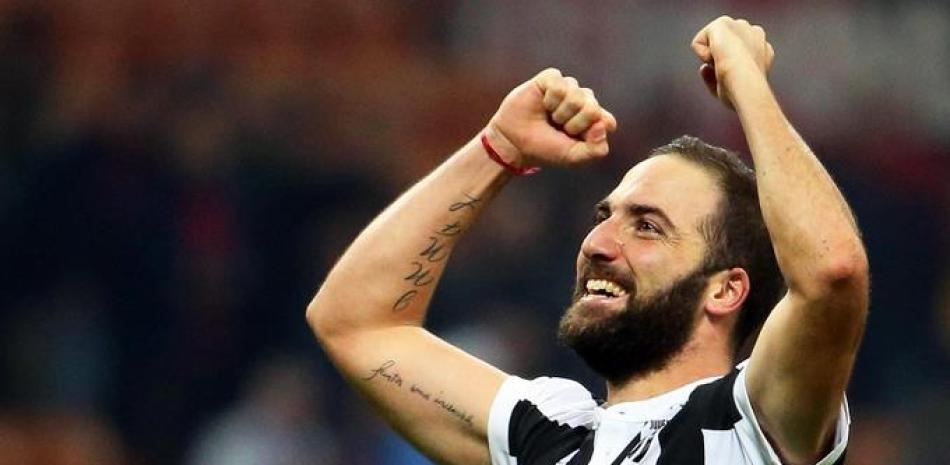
(680, 271)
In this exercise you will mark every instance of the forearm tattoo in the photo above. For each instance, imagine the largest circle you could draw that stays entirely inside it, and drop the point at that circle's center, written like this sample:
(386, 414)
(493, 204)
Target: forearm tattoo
(422, 270)
(387, 373)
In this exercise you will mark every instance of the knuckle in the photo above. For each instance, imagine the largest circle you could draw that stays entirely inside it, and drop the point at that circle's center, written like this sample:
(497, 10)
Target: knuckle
(573, 104)
(575, 100)
(590, 112)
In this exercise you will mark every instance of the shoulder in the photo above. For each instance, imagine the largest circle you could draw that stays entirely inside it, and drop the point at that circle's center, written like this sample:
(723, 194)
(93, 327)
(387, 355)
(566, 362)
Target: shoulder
(699, 426)
(717, 425)
(563, 400)
(539, 419)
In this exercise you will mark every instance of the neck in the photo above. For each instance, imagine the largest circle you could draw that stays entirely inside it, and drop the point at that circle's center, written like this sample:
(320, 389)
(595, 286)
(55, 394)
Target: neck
(691, 364)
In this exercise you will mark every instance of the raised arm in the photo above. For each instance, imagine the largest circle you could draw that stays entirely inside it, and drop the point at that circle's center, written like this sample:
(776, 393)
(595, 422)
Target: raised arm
(802, 361)
(369, 312)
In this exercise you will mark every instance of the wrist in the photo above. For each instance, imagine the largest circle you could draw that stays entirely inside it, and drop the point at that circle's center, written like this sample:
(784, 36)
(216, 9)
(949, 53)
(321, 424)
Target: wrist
(503, 146)
(748, 87)
(502, 151)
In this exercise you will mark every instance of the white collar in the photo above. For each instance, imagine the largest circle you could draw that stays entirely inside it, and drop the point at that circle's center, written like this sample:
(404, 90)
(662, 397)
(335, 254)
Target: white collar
(656, 407)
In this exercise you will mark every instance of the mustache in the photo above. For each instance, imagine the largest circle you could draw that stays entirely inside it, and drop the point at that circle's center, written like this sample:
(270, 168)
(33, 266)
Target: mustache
(597, 270)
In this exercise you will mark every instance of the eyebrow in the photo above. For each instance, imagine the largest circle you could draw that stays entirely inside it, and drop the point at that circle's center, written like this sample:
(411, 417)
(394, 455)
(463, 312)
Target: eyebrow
(639, 209)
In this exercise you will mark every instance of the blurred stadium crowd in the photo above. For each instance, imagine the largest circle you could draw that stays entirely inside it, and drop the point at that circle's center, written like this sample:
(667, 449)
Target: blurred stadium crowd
(176, 177)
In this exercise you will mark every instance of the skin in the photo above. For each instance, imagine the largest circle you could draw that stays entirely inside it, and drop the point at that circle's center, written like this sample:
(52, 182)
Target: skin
(656, 248)
(801, 364)
(370, 321)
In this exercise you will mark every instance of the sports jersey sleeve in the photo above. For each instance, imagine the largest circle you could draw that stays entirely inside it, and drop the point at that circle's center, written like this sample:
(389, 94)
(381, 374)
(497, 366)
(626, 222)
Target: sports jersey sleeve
(753, 440)
(538, 421)
(717, 426)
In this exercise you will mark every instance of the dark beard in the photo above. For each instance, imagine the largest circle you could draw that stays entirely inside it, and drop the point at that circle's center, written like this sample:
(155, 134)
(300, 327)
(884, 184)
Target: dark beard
(639, 340)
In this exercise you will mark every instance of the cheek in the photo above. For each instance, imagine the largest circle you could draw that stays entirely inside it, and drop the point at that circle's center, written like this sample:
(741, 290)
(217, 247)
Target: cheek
(651, 264)
(645, 256)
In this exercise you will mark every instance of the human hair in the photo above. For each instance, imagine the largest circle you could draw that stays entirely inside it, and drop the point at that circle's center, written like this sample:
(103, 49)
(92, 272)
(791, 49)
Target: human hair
(735, 234)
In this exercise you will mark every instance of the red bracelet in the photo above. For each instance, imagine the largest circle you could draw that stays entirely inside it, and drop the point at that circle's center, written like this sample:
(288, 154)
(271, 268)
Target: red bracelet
(523, 171)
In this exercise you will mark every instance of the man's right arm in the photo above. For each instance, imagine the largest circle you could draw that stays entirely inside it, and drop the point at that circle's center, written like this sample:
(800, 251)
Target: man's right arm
(368, 313)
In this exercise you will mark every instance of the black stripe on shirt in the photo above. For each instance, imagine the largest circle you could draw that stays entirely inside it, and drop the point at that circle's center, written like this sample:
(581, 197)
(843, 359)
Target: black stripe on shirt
(710, 406)
(537, 440)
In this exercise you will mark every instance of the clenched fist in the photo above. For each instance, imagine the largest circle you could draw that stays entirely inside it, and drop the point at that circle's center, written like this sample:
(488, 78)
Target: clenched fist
(729, 49)
(551, 120)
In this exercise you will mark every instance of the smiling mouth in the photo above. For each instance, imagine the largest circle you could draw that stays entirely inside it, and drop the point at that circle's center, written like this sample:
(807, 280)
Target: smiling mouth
(603, 288)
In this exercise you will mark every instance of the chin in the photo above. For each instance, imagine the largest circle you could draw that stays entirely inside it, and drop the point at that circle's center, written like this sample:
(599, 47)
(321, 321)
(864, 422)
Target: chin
(586, 319)
(620, 337)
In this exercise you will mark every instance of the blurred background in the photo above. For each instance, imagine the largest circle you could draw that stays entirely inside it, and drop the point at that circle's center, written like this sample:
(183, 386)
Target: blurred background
(176, 178)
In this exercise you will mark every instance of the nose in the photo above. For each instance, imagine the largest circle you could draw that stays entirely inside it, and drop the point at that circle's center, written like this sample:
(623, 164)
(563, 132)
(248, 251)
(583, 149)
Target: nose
(602, 242)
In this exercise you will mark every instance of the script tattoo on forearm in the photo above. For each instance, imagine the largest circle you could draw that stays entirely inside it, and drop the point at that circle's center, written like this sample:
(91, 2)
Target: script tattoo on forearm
(469, 202)
(384, 371)
(436, 250)
(387, 373)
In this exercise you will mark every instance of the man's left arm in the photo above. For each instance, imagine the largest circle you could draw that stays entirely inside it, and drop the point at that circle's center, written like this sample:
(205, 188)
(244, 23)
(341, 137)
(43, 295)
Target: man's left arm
(802, 361)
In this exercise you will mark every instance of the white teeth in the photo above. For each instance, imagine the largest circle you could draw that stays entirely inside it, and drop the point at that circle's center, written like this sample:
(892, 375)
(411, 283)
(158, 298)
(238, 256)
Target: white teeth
(610, 287)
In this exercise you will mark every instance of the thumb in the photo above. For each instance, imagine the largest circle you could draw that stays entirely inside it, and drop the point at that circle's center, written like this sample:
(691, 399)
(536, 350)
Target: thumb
(597, 133)
(700, 45)
(594, 144)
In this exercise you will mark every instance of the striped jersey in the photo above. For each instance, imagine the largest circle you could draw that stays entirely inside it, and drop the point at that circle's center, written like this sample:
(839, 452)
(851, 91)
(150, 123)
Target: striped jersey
(555, 421)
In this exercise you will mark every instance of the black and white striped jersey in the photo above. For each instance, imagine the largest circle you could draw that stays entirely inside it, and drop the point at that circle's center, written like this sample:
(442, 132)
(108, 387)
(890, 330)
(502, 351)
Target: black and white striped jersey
(555, 421)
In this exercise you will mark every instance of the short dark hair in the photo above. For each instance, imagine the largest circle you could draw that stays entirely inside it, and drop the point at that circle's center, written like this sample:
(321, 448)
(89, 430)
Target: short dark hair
(735, 233)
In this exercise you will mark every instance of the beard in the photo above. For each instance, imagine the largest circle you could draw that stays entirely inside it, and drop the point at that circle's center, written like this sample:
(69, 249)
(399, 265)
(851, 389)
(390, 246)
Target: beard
(642, 338)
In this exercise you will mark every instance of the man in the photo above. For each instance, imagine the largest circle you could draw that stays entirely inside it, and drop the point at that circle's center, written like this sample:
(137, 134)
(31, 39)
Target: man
(665, 298)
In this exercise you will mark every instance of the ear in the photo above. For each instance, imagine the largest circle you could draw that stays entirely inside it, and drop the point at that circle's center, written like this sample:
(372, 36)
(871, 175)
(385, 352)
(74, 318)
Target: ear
(727, 292)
